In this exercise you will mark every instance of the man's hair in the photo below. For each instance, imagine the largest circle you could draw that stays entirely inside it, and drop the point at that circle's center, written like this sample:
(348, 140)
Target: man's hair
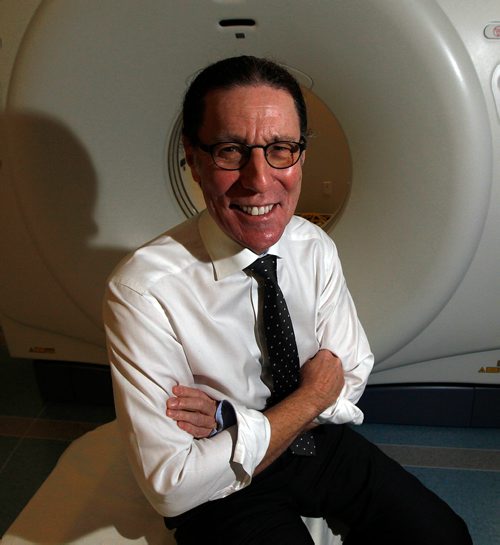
(237, 72)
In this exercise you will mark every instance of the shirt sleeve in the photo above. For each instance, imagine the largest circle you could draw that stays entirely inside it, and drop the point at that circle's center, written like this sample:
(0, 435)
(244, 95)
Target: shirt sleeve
(340, 331)
(175, 471)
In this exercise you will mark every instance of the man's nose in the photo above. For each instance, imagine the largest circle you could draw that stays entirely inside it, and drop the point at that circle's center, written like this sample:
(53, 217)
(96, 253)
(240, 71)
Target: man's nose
(256, 174)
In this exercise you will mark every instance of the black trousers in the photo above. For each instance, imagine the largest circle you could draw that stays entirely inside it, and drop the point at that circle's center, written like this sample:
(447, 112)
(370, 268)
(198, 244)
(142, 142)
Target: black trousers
(362, 494)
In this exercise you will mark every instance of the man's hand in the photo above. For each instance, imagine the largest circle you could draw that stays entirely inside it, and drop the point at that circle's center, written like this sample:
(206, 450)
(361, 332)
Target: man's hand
(322, 377)
(193, 410)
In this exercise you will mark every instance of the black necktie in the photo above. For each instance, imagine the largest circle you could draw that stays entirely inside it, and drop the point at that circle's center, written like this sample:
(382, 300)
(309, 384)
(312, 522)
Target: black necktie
(281, 344)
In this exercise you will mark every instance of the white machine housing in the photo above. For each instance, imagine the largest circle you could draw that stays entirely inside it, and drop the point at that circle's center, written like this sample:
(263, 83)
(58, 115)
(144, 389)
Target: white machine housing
(91, 94)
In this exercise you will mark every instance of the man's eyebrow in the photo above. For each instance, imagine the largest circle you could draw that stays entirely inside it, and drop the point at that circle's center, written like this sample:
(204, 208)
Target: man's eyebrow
(284, 138)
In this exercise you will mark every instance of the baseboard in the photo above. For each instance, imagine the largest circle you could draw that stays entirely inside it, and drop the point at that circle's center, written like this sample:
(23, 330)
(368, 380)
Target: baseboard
(432, 405)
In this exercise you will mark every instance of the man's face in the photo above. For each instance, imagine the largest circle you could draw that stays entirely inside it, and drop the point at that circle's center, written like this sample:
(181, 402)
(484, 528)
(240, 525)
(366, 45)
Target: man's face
(251, 115)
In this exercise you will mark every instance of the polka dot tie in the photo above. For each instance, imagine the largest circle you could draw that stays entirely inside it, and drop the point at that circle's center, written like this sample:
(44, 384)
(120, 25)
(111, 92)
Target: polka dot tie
(281, 344)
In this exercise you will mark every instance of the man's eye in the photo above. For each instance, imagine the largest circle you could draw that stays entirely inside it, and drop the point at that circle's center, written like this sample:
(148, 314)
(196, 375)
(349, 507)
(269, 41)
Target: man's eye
(282, 148)
(229, 150)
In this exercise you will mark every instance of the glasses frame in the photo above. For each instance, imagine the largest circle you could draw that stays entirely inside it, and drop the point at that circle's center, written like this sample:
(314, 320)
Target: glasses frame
(210, 149)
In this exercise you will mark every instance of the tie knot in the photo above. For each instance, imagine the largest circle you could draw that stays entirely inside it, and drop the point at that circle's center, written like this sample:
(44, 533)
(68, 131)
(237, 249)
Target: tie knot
(265, 268)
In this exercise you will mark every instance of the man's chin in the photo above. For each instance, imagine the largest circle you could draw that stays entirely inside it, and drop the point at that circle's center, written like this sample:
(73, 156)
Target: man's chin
(257, 233)
(260, 242)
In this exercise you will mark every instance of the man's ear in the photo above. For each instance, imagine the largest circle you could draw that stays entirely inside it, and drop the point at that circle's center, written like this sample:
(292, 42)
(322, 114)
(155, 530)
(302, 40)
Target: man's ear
(190, 154)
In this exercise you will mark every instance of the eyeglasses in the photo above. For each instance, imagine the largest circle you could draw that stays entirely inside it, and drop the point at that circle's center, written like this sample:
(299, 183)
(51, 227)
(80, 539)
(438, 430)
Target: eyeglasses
(234, 155)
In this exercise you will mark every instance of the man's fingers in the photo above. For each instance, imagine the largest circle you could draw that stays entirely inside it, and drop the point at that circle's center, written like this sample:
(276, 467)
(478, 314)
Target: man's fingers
(191, 399)
(192, 417)
(193, 410)
(191, 404)
(195, 431)
(195, 423)
(185, 391)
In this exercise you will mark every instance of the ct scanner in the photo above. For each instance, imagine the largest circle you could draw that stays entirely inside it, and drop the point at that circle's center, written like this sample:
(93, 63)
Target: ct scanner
(91, 168)
(91, 165)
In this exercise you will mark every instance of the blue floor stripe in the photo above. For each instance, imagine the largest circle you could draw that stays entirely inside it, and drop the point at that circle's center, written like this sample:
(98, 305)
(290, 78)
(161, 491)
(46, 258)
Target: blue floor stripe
(474, 495)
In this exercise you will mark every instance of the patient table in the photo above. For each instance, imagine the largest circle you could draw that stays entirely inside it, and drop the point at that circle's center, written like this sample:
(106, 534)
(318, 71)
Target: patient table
(91, 498)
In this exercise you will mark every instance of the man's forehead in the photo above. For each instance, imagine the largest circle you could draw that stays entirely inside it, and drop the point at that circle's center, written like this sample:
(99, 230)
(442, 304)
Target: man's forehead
(230, 112)
(237, 137)
(254, 90)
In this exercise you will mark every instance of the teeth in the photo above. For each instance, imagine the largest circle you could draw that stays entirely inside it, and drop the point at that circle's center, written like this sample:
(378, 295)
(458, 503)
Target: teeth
(257, 210)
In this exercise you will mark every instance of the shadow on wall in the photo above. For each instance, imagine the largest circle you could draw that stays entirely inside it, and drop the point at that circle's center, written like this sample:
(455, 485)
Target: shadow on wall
(53, 278)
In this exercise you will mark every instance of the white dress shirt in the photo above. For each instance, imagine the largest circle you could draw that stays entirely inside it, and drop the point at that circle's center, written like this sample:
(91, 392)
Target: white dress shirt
(181, 310)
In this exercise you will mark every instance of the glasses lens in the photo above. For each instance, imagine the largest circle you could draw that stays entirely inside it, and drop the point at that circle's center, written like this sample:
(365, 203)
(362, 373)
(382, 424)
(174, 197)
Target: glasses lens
(282, 154)
(233, 156)
(230, 155)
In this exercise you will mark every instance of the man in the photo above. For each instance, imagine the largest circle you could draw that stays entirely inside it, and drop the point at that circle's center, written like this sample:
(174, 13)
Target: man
(187, 325)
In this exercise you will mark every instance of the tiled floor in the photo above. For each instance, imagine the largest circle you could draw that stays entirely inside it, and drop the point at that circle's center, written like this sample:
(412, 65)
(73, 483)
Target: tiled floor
(33, 434)
(461, 465)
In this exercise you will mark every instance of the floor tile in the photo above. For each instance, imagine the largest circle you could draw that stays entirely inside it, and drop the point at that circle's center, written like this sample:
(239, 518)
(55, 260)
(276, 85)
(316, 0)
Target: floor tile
(76, 412)
(7, 446)
(444, 457)
(23, 474)
(59, 429)
(20, 394)
(474, 495)
(14, 426)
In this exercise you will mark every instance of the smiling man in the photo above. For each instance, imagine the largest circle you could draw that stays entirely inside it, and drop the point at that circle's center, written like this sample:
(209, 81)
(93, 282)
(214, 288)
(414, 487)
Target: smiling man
(236, 351)
(252, 203)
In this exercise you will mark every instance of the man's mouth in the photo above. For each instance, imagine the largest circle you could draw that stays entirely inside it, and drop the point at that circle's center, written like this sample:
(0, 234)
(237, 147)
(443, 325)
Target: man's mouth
(256, 210)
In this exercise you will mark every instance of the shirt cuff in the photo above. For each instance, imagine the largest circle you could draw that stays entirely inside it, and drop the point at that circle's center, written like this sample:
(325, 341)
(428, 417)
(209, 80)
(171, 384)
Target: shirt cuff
(225, 417)
(342, 412)
(254, 434)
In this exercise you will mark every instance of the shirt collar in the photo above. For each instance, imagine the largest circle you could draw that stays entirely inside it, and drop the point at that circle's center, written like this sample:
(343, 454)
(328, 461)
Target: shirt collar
(226, 254)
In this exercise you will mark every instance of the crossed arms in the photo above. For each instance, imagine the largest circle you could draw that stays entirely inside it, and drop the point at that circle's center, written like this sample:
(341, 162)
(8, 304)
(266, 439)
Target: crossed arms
(322, 379)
